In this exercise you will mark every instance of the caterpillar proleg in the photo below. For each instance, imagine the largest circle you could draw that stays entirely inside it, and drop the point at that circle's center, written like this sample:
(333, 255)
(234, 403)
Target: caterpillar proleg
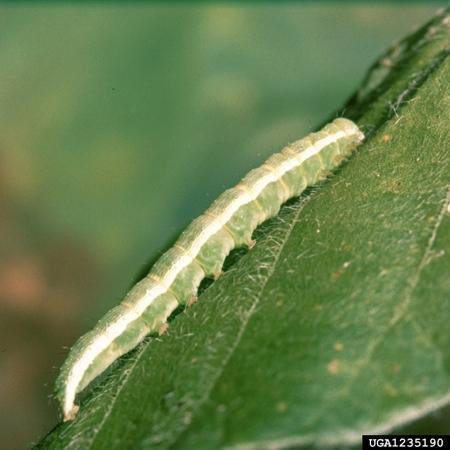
(200, 252)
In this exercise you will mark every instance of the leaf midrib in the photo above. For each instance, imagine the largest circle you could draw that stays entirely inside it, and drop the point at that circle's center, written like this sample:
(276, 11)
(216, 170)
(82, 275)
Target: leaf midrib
(239, 335)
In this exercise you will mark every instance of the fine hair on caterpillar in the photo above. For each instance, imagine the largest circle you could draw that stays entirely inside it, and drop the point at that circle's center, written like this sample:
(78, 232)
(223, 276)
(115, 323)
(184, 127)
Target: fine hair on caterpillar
(200, 252)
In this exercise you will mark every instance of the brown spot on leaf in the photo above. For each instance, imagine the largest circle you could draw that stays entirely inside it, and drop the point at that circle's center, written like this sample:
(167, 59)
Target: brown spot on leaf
(281, 407)
(333, 366)
(338, 346)
(390, 390)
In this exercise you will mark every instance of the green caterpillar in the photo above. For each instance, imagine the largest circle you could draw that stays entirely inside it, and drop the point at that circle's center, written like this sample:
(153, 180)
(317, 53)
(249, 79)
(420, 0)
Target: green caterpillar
(200, 252)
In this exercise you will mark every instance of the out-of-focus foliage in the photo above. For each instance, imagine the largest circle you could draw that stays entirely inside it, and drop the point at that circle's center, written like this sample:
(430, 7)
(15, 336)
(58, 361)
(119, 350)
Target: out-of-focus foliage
(119, 124)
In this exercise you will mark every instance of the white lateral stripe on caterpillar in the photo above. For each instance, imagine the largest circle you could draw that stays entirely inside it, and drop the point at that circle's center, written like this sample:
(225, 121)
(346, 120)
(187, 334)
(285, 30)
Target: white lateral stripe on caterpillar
(116, 328)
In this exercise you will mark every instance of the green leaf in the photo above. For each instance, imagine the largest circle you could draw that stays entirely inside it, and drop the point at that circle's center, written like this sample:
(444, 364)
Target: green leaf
(336, 322)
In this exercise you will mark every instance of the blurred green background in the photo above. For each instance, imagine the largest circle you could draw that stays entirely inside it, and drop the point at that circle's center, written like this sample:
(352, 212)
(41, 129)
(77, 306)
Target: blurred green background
(121, 123)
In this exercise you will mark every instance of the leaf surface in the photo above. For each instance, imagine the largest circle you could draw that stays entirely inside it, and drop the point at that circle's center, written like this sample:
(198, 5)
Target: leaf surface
(336, 322)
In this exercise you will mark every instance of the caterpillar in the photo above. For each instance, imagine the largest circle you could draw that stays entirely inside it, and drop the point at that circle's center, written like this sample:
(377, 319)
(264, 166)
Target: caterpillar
(200, 252)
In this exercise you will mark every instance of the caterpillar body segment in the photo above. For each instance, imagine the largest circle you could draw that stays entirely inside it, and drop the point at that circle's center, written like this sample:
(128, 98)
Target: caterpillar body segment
(200, 252)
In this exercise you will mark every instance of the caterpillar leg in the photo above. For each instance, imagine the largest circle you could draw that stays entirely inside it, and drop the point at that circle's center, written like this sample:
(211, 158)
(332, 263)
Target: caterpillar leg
(163, 328)
(72, 413)
(192, 300)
